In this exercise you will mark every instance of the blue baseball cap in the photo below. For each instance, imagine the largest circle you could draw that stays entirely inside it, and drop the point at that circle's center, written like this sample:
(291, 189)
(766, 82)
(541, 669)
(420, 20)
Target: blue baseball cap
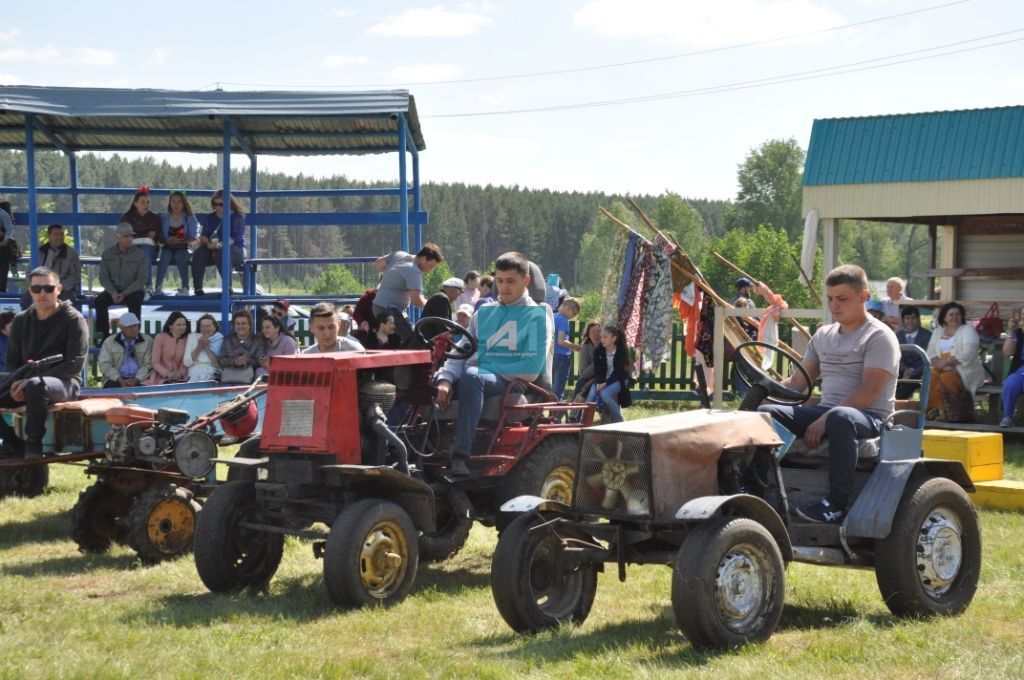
(875, 306)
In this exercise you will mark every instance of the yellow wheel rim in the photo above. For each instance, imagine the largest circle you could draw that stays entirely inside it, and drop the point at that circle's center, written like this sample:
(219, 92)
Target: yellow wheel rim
(171, 526)
(383, 559)
(558, 484)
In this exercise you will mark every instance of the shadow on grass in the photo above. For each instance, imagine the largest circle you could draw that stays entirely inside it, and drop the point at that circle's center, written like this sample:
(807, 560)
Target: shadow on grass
(71, 565)
(436, 578)
(39, 529)
(661, 634)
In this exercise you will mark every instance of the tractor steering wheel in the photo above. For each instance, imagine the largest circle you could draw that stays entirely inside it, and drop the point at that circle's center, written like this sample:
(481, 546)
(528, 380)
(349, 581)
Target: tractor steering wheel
(764, 387)
(456, 351)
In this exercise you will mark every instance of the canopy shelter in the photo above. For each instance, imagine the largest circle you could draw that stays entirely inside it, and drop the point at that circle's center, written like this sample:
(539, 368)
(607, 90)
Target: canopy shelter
(959, 172)
(73, 120)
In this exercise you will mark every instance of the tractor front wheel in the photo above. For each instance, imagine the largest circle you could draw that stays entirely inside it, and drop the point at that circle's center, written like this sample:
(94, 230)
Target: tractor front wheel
(371, 555)
(728, 584)
(453, 525)
(162, 523)
(535, 582)
(231, 557)
(97, 520)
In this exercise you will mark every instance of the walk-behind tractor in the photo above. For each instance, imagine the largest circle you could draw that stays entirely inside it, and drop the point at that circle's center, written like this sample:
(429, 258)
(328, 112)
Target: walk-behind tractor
(710, 493)
(374, 499)
(152, 476)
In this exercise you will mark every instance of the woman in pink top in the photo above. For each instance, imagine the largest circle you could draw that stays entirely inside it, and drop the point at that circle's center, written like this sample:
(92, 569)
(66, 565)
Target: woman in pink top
(279, 342)
(169, 350)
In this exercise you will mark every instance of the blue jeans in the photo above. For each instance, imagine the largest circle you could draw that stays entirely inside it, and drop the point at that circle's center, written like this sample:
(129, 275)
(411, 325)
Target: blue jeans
(560, 373)
(609, 396)
(1013, 387)
(150, 252)
(180, 258)
(473, 388)
(843, 427)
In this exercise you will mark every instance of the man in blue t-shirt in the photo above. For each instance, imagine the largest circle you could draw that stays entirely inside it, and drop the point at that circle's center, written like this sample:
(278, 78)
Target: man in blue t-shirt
(564, 346)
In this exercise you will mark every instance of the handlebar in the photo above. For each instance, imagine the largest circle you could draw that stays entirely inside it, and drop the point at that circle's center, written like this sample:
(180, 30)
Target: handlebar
(46, 361)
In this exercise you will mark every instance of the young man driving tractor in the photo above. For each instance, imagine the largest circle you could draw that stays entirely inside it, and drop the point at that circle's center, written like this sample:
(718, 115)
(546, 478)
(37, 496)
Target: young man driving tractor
(478, 378)
(857, 358)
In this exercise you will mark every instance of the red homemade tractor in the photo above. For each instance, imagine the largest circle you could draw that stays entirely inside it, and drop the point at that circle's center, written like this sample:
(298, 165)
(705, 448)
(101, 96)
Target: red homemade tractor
(152, 474)
(327, 456)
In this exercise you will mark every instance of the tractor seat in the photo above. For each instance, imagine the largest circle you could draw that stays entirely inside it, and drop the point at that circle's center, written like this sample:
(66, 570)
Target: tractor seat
(867, 453)
(491, 411)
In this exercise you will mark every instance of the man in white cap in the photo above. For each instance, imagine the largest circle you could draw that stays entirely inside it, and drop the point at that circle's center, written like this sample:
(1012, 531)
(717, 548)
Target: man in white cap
(126, 357)
(123, 271)
(440, 304)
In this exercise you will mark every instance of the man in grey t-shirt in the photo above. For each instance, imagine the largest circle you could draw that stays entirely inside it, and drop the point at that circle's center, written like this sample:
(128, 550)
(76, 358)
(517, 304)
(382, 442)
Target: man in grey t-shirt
(323, 324)
(858, 359)
(401, 283)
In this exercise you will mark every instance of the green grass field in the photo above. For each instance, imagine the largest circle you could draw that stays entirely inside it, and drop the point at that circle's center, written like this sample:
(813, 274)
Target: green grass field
(68, 615)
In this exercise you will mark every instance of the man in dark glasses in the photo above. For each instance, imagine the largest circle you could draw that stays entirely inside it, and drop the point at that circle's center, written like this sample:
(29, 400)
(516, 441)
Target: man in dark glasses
(48, 327)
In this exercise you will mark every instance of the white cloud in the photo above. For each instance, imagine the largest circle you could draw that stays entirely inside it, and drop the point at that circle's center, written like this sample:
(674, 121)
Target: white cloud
(424, 73)
(341, 13)
(708, 24)
(470, 143)
(9, 79)
(493, 99)
(435, 22)
(9, 35)
(158, 57)
(336, 60)
(1015, 81)
(78, 56)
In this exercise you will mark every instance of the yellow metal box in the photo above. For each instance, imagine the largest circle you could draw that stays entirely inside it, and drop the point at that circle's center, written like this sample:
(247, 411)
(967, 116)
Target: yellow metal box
(980, 452)
(1004, 494)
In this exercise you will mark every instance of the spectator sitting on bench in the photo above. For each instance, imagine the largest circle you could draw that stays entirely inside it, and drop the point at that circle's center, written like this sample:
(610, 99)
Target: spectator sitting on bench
(58, 256)
(126, 357)
(955, 362)
(211, 239)
(1013, 386)
(46, 328)
(123, 270)
(911, 367)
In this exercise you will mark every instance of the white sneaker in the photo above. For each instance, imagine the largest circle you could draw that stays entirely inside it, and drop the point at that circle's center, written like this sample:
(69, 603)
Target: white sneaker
(161, 291)
(183, 291)
(146, 296)
(1006, 422)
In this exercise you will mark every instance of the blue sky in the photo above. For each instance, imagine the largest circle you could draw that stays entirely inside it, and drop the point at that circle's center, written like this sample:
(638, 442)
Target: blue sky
(689, 143)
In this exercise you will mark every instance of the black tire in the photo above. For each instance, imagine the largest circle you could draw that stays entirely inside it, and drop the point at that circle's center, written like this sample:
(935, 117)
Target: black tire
(548, 471)
(250, 449)
(717, 554)
(358, 566)
(453, 526)
(161, 523)
(534, 583)
(934, 514)
(28, 481)
(229, 557)
(97, 519)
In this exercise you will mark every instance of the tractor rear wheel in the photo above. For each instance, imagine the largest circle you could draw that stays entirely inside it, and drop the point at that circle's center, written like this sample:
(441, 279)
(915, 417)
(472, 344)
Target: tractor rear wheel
(162, 523)
(548, 471)
(228, 556)
(371, 555)
(728, 584)
(453, 525)
(930, 561)
(28, 481)
(97, 520)
(535, 583)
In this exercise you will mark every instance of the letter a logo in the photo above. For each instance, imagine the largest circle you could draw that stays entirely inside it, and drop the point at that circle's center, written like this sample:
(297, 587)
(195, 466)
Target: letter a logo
(505, 337)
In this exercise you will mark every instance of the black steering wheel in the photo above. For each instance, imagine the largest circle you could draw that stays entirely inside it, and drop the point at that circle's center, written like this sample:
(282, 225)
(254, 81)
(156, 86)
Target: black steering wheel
(764, 387)
(456, 351)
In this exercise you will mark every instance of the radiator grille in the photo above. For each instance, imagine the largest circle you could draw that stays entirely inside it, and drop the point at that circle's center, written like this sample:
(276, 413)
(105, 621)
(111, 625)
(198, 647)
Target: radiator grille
(300, 378)
(614, 478)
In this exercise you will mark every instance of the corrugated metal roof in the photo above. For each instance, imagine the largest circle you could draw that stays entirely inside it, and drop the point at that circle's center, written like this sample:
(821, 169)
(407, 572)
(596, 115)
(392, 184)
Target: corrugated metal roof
(918, 147)
(285, 123)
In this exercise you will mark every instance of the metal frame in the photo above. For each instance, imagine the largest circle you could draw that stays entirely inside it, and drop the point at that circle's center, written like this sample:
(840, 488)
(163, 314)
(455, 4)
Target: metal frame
(233, 140)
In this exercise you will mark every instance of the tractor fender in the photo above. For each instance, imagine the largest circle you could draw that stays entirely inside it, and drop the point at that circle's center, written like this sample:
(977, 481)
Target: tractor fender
(521, 504)
(872, 513)
(739, 505)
